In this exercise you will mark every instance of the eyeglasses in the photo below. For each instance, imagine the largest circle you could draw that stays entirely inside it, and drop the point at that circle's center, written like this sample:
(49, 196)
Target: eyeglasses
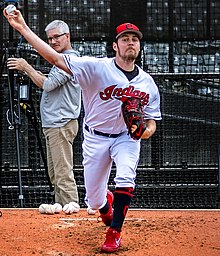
(55, 38)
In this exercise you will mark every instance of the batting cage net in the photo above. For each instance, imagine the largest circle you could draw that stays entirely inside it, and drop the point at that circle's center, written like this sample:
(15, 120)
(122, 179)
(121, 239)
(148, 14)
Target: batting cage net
(178, 166)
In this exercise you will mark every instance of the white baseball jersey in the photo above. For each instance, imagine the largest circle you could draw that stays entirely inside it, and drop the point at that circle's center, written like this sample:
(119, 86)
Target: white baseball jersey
(103, 86)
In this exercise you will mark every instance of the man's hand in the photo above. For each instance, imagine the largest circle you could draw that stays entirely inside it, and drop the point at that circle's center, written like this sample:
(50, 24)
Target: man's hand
(15, 19)
(22, 65)
(17, 63)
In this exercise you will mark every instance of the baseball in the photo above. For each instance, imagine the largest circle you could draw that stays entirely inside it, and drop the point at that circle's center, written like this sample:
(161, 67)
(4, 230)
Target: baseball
(72, 207)
(57, 208)
(49, 209)
(10, 8)
(42, 208)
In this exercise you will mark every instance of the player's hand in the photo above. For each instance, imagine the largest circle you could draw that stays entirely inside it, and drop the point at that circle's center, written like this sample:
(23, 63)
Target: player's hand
(17, 63)
(15, 19)
(133, 128)
(146, 135)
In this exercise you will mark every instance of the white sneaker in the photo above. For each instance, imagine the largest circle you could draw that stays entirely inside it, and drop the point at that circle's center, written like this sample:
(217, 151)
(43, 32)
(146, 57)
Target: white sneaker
(71, 207)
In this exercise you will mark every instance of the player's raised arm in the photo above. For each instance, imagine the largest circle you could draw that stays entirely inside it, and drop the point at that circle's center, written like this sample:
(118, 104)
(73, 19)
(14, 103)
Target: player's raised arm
(17, 21)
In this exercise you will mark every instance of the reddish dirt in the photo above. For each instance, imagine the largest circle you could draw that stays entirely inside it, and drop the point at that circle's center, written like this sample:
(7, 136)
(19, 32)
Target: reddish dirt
(26, 232)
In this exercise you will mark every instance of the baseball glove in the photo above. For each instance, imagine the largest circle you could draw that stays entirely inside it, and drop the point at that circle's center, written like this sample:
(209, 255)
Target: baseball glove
(133, 115)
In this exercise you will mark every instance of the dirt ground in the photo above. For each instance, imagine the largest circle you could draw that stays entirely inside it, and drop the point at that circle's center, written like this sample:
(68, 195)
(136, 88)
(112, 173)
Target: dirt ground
(26, 232)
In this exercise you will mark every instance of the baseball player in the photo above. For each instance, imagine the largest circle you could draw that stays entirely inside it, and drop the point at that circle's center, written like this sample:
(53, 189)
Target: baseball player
(105, 82)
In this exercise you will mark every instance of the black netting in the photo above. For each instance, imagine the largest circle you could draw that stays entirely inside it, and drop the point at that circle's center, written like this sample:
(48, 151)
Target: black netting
(179, 165)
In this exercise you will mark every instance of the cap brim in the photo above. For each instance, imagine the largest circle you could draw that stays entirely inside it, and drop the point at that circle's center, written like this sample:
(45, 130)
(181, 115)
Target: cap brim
(138, 33)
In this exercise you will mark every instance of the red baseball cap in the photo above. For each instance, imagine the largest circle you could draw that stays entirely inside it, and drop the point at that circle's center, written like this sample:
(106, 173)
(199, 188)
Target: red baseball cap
(128, 28)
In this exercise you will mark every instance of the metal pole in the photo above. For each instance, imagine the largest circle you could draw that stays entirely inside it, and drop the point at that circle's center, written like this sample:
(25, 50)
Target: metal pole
(218, 203)
(10, 51)
(20, 196)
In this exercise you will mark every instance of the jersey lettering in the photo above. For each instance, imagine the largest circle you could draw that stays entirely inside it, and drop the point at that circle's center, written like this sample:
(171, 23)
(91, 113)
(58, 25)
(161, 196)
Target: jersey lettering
(113, 92)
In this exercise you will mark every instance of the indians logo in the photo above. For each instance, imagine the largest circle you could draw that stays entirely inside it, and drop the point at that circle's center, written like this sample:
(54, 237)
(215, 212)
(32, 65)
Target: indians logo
(121, 94)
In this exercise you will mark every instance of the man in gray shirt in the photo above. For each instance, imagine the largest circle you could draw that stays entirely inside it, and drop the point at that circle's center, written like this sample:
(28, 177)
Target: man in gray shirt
(60, 107)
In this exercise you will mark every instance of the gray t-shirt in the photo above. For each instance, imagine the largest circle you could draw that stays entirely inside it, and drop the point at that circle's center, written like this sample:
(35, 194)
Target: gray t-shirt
(61, 98)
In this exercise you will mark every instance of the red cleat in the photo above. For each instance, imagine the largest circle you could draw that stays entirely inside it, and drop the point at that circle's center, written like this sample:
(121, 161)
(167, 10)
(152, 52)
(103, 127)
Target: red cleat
(107, 218)
(112, 241)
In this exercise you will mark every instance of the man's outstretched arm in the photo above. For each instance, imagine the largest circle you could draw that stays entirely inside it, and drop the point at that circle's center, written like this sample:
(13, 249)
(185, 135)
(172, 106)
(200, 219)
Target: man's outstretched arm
(17, 21)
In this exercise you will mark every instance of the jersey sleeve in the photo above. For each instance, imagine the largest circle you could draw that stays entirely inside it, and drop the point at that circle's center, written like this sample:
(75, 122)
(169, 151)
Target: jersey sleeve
(152, 110)
(83, 68)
